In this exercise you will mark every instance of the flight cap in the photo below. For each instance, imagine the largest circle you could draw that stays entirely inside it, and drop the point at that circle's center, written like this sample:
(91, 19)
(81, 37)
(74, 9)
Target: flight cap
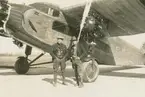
(60, 37)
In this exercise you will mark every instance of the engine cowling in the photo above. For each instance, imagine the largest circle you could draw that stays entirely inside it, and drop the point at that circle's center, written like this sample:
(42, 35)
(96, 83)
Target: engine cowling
(95, 25)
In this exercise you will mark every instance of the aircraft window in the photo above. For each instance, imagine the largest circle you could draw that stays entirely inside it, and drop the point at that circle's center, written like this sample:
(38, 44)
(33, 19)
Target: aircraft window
(58, 26)
(40, 7)
(50, 11)
(45, 10)
(56, 13)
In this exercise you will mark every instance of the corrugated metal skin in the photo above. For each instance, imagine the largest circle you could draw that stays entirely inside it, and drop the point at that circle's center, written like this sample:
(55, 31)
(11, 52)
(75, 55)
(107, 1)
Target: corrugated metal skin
(127, 14)
(18, 32)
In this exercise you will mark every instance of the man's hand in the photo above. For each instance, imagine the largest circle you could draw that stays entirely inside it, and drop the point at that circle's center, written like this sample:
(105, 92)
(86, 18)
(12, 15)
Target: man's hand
(57, 58)
(64, 58)
(73, 66)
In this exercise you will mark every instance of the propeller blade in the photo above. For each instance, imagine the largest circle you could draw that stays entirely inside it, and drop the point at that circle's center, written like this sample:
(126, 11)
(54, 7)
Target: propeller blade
(85, 15)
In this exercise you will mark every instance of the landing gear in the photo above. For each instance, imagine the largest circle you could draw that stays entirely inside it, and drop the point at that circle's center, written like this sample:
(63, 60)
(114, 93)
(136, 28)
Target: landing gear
(21, 65)
(91, 71)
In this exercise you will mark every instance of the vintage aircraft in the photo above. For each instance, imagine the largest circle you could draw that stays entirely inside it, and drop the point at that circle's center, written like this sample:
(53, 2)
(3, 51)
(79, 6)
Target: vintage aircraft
(38, 25)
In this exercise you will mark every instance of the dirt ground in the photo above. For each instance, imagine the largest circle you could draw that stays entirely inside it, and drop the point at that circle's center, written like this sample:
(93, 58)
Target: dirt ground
(113, 81)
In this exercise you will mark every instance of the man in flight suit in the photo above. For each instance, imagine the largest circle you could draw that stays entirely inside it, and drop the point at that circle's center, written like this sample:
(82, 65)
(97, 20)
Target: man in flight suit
(59, 53)
(76, 63)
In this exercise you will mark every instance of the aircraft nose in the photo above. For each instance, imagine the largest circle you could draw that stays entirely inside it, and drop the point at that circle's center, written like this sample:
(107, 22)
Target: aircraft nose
(16, 16)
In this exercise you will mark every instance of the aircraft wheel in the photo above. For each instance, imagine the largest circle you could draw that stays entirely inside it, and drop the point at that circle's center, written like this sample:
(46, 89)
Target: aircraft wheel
(91, 71)
(21, 65)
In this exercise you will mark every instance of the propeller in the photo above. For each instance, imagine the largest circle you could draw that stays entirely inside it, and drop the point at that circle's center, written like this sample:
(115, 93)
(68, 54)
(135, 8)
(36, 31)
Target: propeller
(85, 15)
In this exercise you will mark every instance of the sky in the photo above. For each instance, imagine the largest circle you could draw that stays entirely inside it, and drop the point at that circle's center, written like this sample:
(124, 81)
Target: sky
(6, 45)
(61, 3)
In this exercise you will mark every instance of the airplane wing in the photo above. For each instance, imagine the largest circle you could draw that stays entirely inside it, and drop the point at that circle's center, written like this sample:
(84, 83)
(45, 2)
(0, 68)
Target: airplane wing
(124, 17)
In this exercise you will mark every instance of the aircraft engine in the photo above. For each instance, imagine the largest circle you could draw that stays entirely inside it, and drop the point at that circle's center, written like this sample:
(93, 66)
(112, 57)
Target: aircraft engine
(90, 23)
(95, 26)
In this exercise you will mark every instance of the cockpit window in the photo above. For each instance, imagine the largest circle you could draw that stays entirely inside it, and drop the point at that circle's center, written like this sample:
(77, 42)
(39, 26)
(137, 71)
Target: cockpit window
(58, 26)
(47, 8)
(56, 13)
(40, 7)
(50, 11)
(53, 12)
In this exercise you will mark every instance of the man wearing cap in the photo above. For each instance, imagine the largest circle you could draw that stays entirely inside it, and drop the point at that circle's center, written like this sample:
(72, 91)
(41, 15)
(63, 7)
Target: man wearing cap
(59, 53)
(4, 14)
(76, 63)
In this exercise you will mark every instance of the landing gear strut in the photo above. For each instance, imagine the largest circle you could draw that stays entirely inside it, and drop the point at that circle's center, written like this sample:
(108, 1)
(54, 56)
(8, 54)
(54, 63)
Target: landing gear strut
(23, 64)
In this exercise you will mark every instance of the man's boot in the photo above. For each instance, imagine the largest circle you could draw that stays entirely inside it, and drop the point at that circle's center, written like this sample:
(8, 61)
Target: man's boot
(81, 83)
(63, 80)
(2, 30)
(55, 80)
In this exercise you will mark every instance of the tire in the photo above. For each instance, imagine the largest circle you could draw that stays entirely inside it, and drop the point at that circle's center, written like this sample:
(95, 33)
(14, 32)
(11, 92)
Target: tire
(90, 71)
(21, 65)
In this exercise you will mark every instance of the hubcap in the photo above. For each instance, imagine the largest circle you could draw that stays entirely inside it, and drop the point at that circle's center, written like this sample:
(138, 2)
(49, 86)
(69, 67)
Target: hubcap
(91, 70)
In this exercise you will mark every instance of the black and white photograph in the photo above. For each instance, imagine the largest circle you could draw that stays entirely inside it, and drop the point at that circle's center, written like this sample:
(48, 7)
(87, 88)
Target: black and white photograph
(72, 48)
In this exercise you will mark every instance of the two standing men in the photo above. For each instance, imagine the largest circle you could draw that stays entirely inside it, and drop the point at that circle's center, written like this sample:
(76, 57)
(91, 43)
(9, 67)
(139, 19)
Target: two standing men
(60, 54)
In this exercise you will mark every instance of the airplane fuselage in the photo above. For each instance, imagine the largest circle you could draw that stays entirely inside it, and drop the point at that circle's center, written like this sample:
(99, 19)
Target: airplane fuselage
(36, 28)
(40, 29)
(39, 24)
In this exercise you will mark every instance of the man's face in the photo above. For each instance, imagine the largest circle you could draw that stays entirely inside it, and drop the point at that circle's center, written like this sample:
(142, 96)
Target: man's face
(59, 41)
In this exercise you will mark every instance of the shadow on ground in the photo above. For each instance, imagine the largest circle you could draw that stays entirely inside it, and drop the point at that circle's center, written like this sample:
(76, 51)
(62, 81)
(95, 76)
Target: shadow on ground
(105, 71)
(50, 80)
(37, 71)
(124, 74)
